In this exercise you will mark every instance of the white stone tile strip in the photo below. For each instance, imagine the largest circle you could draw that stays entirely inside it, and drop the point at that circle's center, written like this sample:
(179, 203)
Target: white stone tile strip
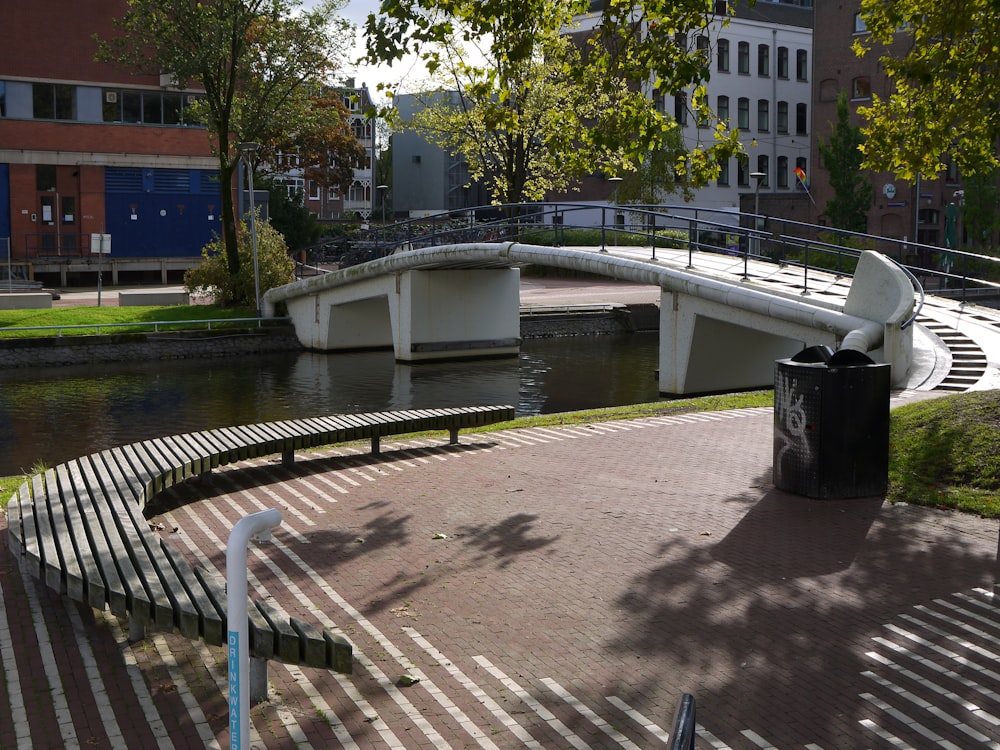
(992, 656)
(57, 691)
(892, 739)
(292, 490)
(645, 722)
(301, 517)
(945, 691)
(968, 615)
(531, 702)
(958, 658)
(473, 688)
(928, 707)
(150, 715)
(198, 720)
(12, 679)
(757, 740)
(322, 707)
(994, 677)
(711, 739)
(94, 679)
(910, 722)
(592, 716)
(311, 482)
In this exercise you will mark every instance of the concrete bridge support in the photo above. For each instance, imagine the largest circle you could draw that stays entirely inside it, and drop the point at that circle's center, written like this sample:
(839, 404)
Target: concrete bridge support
(423, 315)
(708, 346)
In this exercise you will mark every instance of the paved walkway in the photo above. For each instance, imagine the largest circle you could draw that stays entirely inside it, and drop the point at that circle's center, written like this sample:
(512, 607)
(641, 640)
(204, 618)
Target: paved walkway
(550, 588)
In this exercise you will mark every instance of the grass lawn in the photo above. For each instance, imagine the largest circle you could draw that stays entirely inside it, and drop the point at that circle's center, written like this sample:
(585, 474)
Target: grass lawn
(139, 318)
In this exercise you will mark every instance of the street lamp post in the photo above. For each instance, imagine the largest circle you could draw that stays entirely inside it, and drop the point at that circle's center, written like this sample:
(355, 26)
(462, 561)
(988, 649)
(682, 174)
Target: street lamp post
(247, 152)
(758, 178)
(615, 181)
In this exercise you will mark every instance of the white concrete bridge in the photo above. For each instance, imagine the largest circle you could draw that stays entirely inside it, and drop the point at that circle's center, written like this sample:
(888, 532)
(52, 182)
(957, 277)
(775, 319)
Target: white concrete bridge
(717, 332)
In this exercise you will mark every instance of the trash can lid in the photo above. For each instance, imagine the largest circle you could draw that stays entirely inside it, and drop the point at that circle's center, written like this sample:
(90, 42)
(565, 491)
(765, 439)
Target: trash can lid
(849, 358)
(813, 354)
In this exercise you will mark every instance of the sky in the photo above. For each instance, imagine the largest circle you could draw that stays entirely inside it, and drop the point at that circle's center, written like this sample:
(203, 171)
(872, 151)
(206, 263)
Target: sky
(409, 70)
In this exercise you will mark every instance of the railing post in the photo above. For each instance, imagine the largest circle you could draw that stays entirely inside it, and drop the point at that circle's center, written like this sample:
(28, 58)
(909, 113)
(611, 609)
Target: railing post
(682, 732)
(604, 223)
(690, 244)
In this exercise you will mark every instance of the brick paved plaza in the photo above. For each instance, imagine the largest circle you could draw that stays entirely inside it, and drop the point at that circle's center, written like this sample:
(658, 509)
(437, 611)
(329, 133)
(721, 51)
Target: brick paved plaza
(587, 577)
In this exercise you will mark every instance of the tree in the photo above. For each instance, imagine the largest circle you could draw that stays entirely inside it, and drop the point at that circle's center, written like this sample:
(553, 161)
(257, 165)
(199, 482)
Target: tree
(981, 208)
(655, 176)
(842, 158)
(275, 267)
(941, 59)
(257, 60)
(542, 99)
(288, 215)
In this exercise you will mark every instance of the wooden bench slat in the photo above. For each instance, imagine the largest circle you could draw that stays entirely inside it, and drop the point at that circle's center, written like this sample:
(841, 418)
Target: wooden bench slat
(198, 617)
(131, 527)
(286, 640)
(85, 584)
(105, 537)
(30, 554)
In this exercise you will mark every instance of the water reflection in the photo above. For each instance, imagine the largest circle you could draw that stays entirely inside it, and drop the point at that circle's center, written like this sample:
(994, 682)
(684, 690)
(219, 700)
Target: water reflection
(55, 414)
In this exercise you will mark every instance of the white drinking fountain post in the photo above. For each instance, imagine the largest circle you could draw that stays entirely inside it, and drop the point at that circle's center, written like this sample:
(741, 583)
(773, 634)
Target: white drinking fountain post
(256, 525)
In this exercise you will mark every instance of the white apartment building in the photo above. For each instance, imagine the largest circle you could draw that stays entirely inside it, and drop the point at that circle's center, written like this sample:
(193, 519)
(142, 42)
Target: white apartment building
(761, 84)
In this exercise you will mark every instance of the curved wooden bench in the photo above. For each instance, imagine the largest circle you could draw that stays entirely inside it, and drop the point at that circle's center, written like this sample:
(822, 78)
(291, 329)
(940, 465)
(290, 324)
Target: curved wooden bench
(80, 527)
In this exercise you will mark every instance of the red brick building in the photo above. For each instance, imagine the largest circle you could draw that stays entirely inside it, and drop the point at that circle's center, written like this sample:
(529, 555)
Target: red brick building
(86, 148)
(900, 209)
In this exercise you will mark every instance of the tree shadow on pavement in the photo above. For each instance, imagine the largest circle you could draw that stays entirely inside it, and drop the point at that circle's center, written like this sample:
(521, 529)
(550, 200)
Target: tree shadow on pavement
(769, 626)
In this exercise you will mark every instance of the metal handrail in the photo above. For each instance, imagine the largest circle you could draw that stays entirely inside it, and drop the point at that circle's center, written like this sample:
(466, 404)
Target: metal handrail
(154, 324)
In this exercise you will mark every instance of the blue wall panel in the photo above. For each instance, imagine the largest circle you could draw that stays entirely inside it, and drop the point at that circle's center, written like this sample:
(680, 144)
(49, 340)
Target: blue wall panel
(161, 212)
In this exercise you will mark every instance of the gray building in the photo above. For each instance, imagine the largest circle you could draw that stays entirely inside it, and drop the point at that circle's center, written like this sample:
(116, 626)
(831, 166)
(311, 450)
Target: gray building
(425, 178)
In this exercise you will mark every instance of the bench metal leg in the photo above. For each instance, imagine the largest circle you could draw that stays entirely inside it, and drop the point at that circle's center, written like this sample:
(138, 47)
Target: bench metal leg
(258, 680)
(454, 435)
(288, 458)
(376, 447)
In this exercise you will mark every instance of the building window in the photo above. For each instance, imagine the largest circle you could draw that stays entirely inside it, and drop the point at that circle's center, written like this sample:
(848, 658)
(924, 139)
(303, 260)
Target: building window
(762, 168)
(782, 124)
(53, 101)
(723, 179)
(743, 171)
(722, 109)
(828, 90)
(763, 116)
(801, 119)
(3, 98)
(703, 47)
(801, 65)
(763, 60)
(314, 190)
(743, 113)
(147, 107)
(783, 62)
(680, 109)
(861, 88)
(860, 27)
(722, 56)
(45, 178)
(800, 164)
(331, 193)
(743, 58)
(782, 175)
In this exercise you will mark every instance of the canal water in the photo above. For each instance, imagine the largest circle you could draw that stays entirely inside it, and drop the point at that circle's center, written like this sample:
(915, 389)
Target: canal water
(52, 415)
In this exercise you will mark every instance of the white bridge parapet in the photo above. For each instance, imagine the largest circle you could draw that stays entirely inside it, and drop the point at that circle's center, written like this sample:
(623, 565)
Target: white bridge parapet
(462, 301)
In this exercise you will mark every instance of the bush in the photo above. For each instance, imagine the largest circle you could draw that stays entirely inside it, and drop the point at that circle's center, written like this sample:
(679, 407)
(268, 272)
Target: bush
(212, 277)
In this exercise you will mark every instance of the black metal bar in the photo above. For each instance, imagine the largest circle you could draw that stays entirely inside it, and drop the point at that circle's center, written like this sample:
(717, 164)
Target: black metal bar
(683, 733)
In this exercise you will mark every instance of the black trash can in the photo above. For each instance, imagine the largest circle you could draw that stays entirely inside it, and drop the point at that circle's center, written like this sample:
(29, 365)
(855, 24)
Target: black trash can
(831, 424)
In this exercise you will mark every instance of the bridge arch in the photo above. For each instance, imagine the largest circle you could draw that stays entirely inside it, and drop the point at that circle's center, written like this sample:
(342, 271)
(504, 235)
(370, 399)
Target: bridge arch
(462, 300)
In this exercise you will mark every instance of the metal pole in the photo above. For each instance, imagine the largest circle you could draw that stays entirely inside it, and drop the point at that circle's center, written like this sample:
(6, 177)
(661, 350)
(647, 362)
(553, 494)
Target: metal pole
(253, 240)
(238, 648)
